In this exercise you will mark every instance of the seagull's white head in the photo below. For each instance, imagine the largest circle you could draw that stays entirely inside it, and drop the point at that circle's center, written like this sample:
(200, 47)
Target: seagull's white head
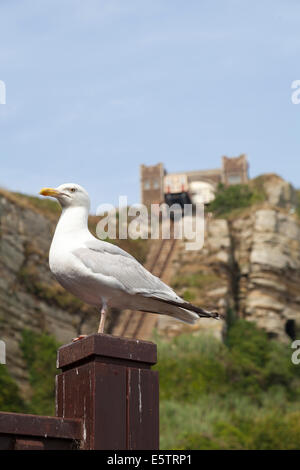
(68, 195)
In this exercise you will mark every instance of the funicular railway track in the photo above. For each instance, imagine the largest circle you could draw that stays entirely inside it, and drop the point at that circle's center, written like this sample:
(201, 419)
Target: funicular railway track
(136, 324)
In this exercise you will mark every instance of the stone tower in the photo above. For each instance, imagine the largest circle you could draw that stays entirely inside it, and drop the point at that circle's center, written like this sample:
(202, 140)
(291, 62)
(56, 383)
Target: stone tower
(152, 184)
(235, 170)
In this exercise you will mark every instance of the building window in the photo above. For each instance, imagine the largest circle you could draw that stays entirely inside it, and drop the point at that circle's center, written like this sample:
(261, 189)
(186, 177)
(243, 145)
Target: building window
(147, 184)
(234, 179)
(156, 184)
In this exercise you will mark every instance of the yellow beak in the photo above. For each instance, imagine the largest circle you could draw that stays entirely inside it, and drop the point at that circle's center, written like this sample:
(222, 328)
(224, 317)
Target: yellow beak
(49, 192)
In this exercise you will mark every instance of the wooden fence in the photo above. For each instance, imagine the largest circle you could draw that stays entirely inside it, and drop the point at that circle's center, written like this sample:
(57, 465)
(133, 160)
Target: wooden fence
(106, 398)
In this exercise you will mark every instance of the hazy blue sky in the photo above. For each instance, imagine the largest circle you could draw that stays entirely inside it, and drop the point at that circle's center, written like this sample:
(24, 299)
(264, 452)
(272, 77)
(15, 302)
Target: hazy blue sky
(96, 87)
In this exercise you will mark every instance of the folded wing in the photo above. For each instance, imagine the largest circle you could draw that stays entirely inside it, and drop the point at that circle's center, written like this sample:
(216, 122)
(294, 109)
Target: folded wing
(124, 272)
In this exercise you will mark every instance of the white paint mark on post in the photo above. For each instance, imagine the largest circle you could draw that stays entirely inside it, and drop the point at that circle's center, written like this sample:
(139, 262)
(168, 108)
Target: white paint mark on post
(84, 416)
(140, 396)
(64, 396)
(56, 395)
(129, 400)
(90, 382)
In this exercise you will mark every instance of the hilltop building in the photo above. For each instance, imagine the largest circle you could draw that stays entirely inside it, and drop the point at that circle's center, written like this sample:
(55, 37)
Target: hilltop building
(191, 186)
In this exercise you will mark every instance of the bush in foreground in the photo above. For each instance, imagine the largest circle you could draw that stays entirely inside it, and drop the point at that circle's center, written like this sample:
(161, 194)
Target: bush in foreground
(39, 352)
(243, 394)
(240, 394)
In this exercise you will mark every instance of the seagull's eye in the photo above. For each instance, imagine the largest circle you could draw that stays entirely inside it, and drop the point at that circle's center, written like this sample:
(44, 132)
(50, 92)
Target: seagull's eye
(72, 190)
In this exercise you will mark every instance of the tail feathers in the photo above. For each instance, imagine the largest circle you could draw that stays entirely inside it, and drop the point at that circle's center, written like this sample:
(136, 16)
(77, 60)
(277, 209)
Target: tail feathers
(183, 311)
(184, 315)
(201, 313)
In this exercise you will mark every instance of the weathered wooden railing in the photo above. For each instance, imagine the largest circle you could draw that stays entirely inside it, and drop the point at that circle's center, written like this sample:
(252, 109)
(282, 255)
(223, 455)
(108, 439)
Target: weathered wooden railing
(106, 398)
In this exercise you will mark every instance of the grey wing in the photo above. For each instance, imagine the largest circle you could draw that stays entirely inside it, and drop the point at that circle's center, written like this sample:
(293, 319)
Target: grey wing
(120, 270)
(123, 270)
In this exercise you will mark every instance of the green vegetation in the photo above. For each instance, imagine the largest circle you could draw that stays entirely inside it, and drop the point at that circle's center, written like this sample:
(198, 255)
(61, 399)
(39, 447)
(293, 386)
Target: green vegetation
(10, 398)
(199, 280)
(238, 196)
(53, 294)
(243, 394)
(39, 352)
(191, 286)
(138, 248)
(258, 431)
(47, 206)
(188, 295)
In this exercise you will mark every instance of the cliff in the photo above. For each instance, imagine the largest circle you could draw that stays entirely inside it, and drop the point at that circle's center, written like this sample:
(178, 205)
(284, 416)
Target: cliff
(250, 266)
(30, 298)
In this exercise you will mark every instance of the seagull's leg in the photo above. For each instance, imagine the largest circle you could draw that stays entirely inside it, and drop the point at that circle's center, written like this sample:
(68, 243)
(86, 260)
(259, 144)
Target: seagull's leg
(102, 317)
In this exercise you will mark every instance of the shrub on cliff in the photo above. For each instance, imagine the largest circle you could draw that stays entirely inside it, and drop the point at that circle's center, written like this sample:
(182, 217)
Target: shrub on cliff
(238, 196)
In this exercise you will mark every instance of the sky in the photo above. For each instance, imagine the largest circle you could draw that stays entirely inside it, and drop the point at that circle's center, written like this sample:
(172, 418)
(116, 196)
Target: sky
(94, 88)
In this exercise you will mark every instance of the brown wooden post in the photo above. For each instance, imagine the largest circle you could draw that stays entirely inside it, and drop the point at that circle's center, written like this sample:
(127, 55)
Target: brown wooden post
(106, 381)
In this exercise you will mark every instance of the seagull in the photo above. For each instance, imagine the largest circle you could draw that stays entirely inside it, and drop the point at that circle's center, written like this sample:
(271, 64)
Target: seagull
(102, 274)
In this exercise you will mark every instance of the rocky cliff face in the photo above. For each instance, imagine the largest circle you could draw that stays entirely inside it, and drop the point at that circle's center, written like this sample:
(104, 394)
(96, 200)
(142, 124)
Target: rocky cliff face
(30, 298)
(250, 265)
(267, 254)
